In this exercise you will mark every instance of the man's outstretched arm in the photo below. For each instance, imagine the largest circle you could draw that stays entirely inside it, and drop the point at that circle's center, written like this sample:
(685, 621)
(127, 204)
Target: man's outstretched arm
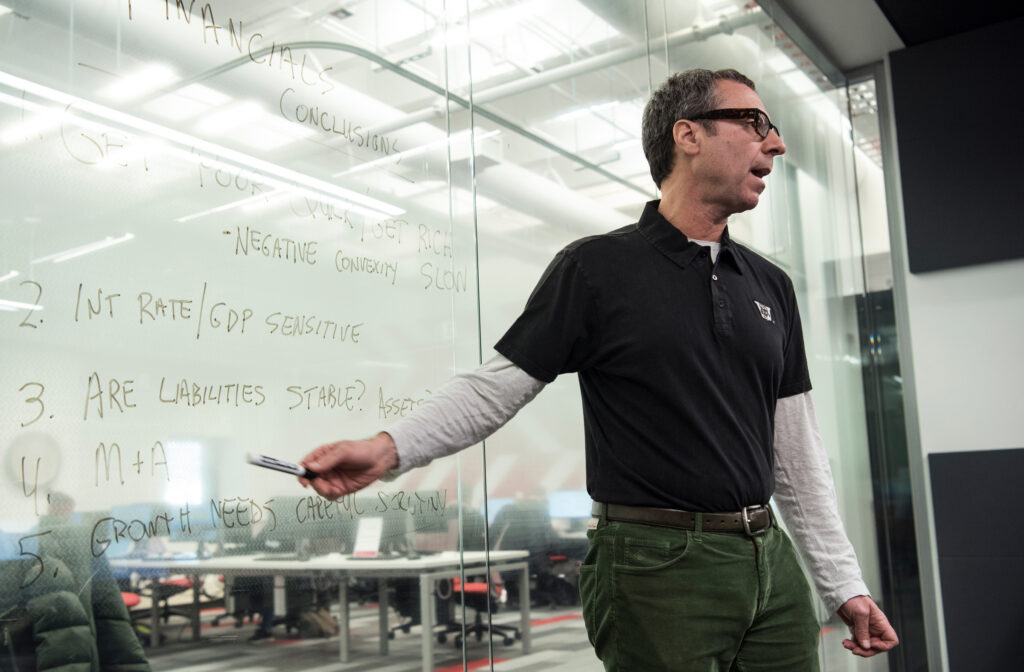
(464, 411)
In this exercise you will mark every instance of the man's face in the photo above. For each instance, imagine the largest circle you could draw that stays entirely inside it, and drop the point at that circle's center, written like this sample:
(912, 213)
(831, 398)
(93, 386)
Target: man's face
(732, 163)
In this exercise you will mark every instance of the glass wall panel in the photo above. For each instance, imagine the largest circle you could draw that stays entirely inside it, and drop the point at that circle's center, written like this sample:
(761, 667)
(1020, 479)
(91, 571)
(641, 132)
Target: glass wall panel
(807, 223)
(212, 246)
(258, 227)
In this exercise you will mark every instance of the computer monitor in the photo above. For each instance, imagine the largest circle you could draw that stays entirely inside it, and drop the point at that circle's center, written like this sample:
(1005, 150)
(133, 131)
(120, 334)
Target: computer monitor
(495, 505)
(573, 506)
(411, 521)
(307, 525)
(429, 511)
(132, 529)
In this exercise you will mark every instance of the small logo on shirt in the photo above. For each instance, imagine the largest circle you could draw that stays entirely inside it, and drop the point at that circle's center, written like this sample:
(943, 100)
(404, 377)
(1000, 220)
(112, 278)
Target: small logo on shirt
(766, 311)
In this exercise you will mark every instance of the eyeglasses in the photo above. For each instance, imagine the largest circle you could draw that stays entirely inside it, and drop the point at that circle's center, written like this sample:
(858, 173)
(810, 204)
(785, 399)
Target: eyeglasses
(762, 124)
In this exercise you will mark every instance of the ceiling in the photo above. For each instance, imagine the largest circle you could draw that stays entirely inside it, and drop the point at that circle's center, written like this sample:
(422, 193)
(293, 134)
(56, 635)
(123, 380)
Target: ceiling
(855, 33)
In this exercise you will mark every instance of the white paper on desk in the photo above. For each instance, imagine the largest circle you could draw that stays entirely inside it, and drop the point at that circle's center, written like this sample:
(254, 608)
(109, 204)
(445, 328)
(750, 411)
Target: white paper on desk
(368, 537)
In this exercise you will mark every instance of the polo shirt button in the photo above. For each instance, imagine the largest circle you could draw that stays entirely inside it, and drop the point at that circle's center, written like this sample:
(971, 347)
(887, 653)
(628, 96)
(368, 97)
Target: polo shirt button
(721, 304)
(714, 277)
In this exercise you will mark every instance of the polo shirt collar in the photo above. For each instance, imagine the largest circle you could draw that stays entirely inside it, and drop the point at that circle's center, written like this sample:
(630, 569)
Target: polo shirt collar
(674, 244)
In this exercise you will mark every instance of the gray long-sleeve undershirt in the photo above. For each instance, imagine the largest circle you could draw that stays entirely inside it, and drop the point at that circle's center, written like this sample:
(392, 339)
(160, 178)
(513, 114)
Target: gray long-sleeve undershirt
(471, 406)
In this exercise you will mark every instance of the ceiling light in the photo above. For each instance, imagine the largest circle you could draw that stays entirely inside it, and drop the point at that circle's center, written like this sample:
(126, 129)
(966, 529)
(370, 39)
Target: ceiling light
(780, 63)
(175, 107)
(251, 125)
(187, 102)
(45, 120)
(12, 274)
(4, 9)
(204, 94)
(718, 5)
(59, 257)
(274, 175)
(800, 83)
(581, 111)
(139, 84)
(232, 117)
(227, 206)
(34, 126)
(452, 140)
(18, 305)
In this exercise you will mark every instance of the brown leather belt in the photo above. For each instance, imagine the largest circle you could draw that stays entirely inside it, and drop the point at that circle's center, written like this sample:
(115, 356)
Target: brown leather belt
(751, 520)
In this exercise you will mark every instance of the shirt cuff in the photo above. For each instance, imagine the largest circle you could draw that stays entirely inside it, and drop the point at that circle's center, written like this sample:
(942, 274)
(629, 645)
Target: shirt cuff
(406, 459)
(842, 594)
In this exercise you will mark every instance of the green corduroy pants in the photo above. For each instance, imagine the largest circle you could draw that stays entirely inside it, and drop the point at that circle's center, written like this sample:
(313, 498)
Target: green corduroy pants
(658, 598)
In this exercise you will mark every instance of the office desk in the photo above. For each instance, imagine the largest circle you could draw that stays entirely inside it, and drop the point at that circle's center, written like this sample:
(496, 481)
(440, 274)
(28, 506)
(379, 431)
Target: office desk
(428, 568)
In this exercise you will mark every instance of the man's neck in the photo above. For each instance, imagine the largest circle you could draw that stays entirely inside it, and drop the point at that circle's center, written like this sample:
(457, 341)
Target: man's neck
(696, 219)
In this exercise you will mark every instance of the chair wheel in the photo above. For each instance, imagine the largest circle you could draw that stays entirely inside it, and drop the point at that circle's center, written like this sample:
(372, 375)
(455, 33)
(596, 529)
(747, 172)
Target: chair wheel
(391, 635)
(508, 641)
(442, 638)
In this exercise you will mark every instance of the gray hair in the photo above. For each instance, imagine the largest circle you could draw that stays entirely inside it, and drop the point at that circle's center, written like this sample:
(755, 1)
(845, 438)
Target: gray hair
(683, 95)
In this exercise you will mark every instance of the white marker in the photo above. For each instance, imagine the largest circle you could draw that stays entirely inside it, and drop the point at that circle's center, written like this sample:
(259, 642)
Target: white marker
(280, 465)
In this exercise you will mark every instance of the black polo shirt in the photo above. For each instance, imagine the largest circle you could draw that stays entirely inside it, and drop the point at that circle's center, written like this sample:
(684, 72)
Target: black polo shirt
(680, 362)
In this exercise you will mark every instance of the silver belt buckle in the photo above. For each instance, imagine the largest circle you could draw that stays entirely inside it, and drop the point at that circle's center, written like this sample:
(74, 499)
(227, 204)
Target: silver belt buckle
(746, 521)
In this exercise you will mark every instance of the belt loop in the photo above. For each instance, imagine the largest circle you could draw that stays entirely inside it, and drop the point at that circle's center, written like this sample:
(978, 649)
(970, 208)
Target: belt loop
(698, 525)
(600, 511)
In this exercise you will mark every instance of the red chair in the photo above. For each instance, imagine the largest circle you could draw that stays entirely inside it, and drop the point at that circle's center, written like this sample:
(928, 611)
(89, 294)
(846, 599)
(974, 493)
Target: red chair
(483, 596)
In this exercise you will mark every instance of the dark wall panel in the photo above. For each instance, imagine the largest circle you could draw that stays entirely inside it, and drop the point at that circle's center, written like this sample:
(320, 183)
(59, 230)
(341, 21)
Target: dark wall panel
(917, 22)
(959, 109)
(976, 499)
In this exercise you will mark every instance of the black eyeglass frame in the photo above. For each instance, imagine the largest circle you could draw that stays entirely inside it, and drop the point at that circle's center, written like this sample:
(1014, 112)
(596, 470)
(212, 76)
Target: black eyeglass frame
(762, 124)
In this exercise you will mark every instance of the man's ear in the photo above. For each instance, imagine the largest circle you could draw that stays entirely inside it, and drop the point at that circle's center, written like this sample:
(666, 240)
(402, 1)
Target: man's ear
(687, 136)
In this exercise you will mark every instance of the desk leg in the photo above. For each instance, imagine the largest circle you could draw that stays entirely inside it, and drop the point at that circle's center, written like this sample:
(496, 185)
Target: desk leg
(229, 595)
(343, 619)
(427, 621)
(194, 616)
(154, 610)
(524, 607)
(280, 596)
(382, 613)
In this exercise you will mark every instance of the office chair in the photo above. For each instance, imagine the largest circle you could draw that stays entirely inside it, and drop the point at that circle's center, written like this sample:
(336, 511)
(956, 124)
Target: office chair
(483, 596)
(404, 595)
(160, 590)
(404, 598)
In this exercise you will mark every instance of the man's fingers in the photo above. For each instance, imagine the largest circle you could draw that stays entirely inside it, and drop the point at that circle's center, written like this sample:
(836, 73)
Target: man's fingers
(862, 631)
(324, 458)
(326, 489)
(877, 646)
(351, 454)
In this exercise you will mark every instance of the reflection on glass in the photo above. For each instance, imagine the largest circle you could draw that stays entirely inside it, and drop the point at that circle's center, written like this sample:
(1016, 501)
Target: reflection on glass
(278, 224)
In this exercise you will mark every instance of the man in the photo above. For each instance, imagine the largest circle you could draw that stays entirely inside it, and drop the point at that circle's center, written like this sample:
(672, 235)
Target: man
(695, 392)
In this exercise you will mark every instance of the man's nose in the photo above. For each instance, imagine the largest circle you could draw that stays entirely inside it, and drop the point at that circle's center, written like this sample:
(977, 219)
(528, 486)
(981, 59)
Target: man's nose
(773, 144)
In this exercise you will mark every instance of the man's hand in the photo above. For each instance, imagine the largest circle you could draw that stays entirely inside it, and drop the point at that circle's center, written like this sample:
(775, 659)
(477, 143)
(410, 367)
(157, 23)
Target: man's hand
(346, 466)
(869, 627)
